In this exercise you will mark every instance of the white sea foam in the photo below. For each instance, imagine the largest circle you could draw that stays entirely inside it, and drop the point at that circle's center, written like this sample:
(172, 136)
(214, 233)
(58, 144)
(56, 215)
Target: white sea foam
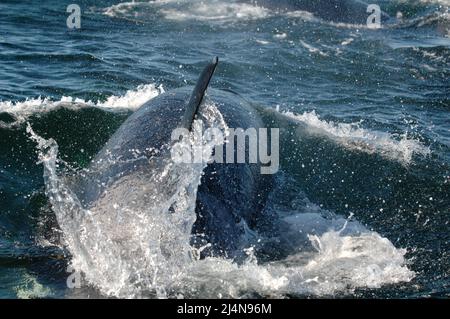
(262, 42)
(180, 10)
(280, 36)
(121, 8)
(131, 100)
(200, 10)
(216, 11)
(305, 15)
(312, 49)
(203, 10)
(352, 136)
(347, 41)
(30, 288)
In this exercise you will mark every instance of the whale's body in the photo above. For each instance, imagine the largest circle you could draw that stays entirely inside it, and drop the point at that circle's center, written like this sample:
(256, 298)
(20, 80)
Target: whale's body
(339, 11)
(230, 196)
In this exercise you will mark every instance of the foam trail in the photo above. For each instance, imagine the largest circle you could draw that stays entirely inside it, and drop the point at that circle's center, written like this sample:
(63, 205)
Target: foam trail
(131, 100)
(353, 137)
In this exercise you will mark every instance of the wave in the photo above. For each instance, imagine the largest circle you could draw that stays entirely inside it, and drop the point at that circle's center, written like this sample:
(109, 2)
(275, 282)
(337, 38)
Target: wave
(349, 135)
(131, 100)
(353, 137)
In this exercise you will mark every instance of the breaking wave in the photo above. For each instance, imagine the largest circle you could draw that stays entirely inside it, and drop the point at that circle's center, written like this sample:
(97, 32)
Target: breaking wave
(353, 137)
(131, 100)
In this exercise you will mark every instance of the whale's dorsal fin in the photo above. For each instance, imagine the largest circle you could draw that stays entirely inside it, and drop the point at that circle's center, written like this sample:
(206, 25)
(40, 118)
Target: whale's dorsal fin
(198, 94)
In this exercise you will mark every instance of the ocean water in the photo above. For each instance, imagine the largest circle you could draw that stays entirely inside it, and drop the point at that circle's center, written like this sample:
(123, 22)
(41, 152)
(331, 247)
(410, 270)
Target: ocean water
(363, 193)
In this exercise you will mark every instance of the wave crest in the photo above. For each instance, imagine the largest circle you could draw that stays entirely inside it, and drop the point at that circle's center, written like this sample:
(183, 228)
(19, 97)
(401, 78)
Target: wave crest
(353, 137)
(131, 100)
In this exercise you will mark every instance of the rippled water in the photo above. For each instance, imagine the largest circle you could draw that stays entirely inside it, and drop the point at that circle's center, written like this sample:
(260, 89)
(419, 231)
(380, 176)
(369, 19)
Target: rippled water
(363, 195)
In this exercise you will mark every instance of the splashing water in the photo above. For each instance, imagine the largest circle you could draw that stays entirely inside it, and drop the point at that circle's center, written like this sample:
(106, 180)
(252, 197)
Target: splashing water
(30, 288)
(135, 241)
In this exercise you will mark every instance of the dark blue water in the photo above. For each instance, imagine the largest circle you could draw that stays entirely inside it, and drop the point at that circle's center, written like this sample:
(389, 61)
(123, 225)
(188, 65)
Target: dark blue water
(377, 103)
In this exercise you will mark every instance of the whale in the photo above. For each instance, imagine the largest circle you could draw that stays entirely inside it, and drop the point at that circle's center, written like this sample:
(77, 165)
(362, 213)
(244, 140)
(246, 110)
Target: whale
(231, 196)
(338, 11)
